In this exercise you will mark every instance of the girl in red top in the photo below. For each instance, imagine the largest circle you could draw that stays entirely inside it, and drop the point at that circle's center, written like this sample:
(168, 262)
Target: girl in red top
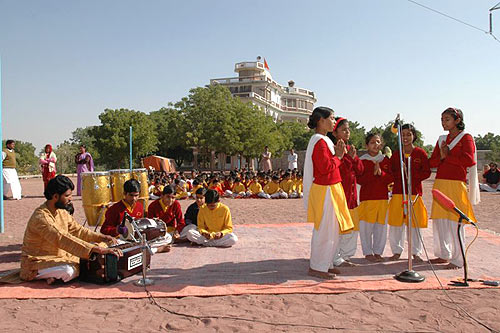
(350, 168)
(420, 170)
(453, 155)
(324, 197)
(373, 196)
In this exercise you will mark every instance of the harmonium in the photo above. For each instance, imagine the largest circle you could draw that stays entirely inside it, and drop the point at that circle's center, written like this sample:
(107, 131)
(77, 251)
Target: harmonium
(105, 268)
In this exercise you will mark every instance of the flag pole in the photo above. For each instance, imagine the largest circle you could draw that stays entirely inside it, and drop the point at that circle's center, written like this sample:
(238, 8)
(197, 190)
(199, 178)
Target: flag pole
(130, 148)
(2, 226)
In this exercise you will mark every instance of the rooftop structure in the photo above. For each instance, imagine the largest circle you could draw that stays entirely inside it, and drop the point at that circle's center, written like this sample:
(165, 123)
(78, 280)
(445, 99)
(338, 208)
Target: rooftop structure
(255, 84)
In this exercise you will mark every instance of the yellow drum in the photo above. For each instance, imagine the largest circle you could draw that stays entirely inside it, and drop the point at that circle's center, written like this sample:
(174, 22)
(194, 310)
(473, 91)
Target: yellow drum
(118, 178)
(141, 175)
(96, 193)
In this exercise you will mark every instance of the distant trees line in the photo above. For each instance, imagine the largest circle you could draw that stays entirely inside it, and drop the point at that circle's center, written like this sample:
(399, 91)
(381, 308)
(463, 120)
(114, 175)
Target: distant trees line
(209, 119)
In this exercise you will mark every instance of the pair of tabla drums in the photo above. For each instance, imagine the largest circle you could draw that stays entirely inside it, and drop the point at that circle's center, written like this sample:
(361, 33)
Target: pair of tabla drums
(102, 187)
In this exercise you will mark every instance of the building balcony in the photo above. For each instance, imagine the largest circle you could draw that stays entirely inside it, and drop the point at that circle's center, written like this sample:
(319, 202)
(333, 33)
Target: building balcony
(300, 91)
(248, 65)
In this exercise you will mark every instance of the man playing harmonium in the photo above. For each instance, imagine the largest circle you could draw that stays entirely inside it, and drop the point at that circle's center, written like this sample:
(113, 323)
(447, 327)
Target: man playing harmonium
(54, 242)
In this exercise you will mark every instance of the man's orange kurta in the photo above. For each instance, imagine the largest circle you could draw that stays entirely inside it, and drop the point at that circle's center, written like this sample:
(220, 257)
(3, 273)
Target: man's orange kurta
(52, 240)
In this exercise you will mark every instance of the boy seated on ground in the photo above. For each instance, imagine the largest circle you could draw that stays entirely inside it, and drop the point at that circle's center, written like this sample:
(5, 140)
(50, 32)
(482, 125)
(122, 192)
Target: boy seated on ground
(191, 216)
(169, 211)
(129, 205)
(272, 189)
(288, 186)
(181, 191)
(492, 179)
(215, 227)
(239, 189)
(255, 189)
(54, 242)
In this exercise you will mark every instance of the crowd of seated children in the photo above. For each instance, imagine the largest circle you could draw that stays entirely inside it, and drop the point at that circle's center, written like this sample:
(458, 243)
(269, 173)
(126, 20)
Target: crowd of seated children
(237, 184)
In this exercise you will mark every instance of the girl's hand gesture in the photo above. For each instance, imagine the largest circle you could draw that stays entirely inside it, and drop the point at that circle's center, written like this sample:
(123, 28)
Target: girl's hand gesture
(352, 151)
(376, 170)
(340, 148)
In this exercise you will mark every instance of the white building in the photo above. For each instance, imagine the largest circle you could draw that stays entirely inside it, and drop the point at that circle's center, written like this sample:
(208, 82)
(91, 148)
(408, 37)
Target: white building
(255, 84)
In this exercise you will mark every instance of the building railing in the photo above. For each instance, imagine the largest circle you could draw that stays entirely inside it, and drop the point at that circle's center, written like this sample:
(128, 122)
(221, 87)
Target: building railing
(248, 64)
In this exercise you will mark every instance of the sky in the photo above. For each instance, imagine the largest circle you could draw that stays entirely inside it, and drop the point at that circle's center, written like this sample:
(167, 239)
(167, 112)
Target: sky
(64, 62)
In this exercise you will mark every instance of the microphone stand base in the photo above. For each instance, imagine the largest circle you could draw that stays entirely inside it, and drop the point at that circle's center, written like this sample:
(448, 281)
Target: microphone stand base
(409, 276)
(144, 282)
(459, 283)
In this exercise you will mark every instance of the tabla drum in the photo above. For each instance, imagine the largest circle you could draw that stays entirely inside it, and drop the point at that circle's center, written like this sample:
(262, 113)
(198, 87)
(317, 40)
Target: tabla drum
(118, 178)
(96, 193)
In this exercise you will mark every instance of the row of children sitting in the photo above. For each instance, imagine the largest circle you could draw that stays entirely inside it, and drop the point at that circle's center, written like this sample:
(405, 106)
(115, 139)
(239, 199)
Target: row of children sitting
(234, 185)
(207, 221)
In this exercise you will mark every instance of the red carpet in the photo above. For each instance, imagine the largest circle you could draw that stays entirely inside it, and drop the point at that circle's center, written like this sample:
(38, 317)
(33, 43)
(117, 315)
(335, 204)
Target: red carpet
(268, 259)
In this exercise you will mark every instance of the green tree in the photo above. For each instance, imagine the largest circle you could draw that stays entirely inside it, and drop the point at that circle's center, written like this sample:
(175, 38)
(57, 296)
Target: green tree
(112, 137)
(170, 128)
(210, 119)
(487, 141)
(358, 134)
(65, 153)
(27, 161)
(298, 134)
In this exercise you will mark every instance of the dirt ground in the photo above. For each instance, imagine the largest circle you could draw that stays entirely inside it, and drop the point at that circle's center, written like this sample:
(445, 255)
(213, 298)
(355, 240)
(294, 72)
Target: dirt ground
(404, 311)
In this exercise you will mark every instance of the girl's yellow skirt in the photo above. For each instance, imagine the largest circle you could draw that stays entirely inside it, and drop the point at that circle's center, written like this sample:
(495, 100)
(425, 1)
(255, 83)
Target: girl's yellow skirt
(355, 218)
(373, 211)
(456, 190)
(396, 213)
(316, 202)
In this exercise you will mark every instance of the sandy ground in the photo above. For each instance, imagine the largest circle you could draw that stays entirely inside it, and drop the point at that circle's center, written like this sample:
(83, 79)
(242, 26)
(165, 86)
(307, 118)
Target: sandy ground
(404, 311)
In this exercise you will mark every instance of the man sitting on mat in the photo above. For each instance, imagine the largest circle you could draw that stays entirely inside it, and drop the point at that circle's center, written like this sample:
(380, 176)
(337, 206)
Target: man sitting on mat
(54, 242)
(215, 227)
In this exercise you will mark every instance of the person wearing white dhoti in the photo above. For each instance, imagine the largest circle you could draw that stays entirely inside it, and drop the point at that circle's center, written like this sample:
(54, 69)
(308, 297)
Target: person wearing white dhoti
(10, 177)
(292, 160)
(324, 198)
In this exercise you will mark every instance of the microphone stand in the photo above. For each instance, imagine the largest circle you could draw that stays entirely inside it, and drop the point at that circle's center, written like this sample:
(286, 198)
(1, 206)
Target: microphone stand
(463, 283)
(144, 281)
(409, 275)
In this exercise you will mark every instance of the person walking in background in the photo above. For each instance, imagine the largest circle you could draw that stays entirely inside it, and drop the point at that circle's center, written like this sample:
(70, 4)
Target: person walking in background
(266, 160)
(10, 177)
(84, 163)
(47, 162)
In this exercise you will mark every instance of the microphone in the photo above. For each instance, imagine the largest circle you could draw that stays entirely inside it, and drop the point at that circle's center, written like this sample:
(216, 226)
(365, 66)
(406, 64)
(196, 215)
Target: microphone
(122, 228)
(449, 204)
(394, 128)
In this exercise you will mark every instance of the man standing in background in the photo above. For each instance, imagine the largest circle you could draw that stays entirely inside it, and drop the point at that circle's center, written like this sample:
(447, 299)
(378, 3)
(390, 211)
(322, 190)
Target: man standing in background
(292, 160)
(10, 178)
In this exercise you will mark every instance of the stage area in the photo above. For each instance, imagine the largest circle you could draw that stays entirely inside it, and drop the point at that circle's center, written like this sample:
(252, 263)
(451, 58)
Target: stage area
(268, 259)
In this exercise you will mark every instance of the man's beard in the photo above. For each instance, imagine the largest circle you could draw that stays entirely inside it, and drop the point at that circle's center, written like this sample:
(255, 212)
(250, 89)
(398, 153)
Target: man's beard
(60, 205)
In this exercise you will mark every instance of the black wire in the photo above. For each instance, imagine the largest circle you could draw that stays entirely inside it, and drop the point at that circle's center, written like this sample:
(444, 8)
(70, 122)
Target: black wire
(455, 19)
(441, 284)
(154, 302)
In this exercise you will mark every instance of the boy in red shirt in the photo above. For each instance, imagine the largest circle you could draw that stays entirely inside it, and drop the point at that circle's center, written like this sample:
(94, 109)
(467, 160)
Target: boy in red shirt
(169, 211)
(129, 204)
